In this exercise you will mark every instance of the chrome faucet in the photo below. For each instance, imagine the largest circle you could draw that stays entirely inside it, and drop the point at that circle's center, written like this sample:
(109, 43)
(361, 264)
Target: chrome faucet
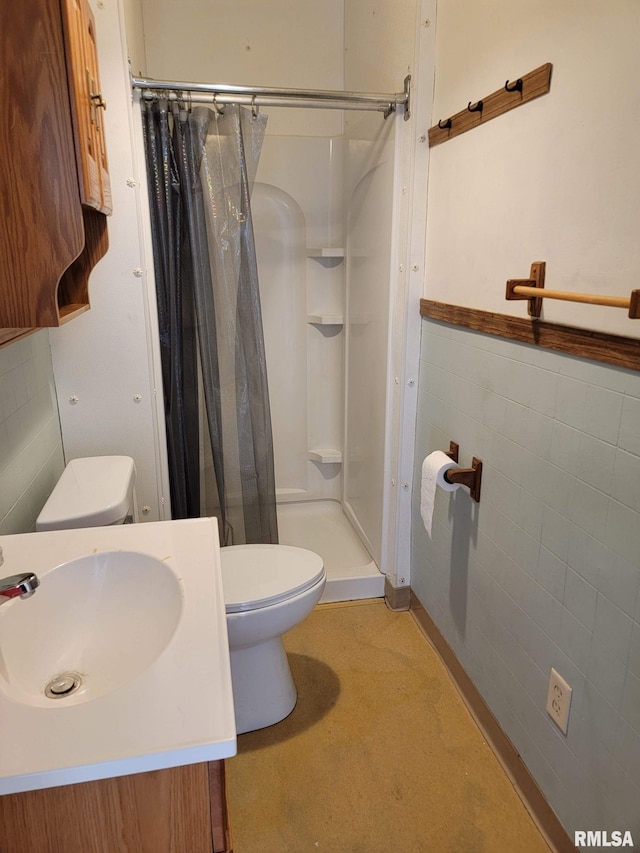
(23, 585)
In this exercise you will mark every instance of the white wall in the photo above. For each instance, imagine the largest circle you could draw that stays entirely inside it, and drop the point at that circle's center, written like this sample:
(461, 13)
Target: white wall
(544, 571)
(553, 180)
(304, 361)
(384, 42)
(31, 458)
(134, 29)
(103, 372)
(240, 42)
(369, 188)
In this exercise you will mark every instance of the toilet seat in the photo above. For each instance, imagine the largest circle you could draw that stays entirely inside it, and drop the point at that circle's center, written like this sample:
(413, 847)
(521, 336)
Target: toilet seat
(256, 576)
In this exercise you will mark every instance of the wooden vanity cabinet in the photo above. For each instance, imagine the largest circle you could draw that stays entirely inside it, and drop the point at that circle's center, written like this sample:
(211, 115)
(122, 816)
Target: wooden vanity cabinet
(177, 810)
(51, 235)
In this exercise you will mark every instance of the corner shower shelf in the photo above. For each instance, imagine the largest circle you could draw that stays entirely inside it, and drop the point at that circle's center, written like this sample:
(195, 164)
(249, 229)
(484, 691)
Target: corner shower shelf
(326, 456)
(325, 319)
(325, 252)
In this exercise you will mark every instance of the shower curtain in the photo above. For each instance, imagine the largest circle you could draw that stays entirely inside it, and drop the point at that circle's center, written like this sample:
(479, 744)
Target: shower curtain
(201, 165)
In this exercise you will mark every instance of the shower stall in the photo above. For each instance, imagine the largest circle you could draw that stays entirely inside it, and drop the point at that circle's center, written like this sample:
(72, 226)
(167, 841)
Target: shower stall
(322, 210)
(322, 228)
(309, 321)
(324, 277)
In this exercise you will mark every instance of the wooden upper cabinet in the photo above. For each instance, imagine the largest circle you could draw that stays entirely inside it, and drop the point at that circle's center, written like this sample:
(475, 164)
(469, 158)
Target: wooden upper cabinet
(87, 104)
(50, 239)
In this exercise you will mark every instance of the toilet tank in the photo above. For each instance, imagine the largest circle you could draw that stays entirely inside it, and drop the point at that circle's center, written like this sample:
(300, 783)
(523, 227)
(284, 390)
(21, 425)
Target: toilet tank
(93, 491)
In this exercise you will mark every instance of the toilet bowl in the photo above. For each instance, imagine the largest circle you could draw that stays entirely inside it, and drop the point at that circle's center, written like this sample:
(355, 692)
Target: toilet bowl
(268, 589)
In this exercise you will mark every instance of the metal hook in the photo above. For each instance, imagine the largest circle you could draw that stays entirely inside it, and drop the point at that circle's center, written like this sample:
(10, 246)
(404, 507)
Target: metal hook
(475, 109)
(254, 109)
(182, 105)
(446, 125)
(217, 107)
(515, 87)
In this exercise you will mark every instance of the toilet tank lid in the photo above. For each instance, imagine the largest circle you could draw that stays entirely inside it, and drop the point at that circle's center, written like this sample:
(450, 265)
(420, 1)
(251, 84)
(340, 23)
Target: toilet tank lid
(93, 491)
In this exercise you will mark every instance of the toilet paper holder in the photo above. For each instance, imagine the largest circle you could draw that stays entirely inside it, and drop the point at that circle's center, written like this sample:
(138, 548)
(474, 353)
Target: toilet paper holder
(469, 477)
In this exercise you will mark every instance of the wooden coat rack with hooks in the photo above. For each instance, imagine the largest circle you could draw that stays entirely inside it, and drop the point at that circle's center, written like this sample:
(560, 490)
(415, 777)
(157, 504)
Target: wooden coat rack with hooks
(513, 94)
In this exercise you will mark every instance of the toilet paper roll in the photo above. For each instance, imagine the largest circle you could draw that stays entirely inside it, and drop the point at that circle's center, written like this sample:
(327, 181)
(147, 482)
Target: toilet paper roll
(433, 470)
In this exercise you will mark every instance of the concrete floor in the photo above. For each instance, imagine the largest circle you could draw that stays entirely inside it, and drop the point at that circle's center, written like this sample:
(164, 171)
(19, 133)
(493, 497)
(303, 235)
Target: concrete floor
(380, 754)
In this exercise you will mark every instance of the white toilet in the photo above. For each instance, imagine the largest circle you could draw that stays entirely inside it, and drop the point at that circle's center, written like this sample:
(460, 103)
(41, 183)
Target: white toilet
(268, 589)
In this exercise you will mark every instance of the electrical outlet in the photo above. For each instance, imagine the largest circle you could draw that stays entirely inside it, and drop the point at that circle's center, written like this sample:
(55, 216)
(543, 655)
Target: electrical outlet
(559, 700)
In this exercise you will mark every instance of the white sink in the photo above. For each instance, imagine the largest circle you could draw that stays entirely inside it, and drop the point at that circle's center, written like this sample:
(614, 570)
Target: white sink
(119, 662)
(97, 621)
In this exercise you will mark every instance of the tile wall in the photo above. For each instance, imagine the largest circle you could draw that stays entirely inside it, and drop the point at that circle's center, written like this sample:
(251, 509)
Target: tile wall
(544, 571)
(31, 455)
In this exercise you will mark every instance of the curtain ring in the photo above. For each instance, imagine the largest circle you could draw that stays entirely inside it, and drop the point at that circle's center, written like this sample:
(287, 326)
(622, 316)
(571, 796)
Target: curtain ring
(218, 108)
(254, 109)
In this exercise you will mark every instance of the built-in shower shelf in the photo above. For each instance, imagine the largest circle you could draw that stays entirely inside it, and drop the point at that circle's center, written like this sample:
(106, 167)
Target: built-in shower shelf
(326, 455)
(325, 252)
(325, 319)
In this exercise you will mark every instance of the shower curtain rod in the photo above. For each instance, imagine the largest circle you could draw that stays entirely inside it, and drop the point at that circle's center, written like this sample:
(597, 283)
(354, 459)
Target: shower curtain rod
(257, 96)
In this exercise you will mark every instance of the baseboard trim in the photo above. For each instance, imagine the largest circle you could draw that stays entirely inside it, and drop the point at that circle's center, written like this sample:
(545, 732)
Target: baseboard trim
(397, 597)
(522, 780)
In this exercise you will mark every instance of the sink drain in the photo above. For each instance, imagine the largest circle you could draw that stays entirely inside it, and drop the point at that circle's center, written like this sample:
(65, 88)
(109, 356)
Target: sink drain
(63, 685)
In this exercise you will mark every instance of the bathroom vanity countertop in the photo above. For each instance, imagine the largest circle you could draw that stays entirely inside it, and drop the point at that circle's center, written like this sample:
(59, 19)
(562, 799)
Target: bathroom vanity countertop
(176, 709)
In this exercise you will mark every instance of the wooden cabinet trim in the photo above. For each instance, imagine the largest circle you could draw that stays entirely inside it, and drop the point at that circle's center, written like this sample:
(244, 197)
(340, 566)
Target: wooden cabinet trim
(86, 104)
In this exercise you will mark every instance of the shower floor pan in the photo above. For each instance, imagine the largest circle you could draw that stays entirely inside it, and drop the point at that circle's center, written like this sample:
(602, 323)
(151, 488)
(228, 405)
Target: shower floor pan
(321, 526)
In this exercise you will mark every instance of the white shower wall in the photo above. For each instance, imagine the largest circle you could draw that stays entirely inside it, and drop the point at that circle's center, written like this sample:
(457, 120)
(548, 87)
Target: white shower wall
(297, 207)
(299, 227)
(324, 222)
(386, 209)
(369, 195)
